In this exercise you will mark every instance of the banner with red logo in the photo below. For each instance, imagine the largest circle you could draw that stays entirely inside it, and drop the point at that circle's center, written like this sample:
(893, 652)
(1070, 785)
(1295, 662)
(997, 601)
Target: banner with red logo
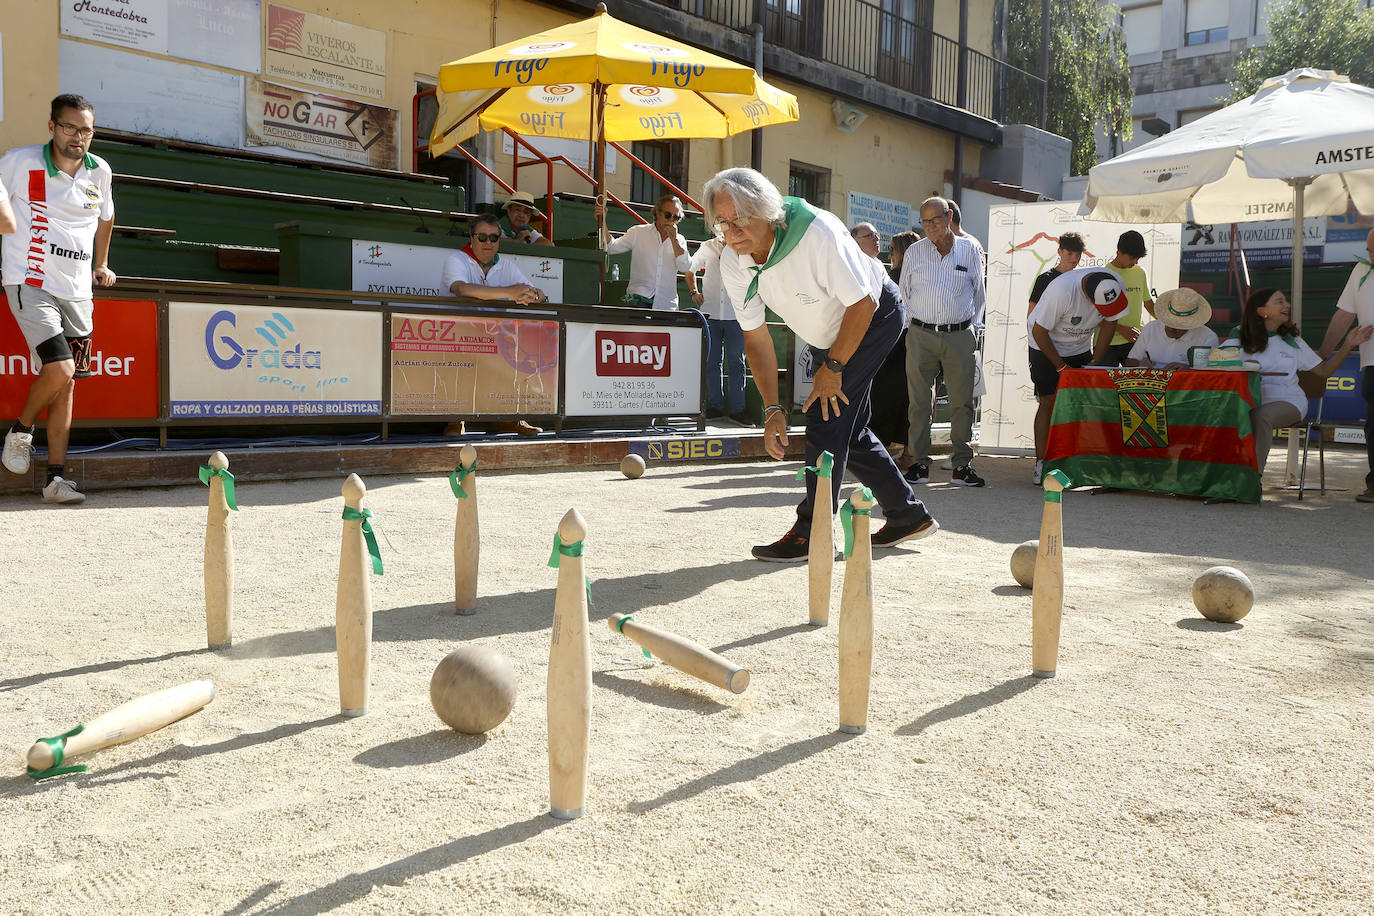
(124, 384)
(473, 366)
(638, 371)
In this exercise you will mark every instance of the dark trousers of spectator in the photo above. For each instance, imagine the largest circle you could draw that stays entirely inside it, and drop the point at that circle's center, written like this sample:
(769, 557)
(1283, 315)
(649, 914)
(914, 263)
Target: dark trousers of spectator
(1367, 389)
(847, 437)
(1117, 353)
(724, 338)
(889, 421)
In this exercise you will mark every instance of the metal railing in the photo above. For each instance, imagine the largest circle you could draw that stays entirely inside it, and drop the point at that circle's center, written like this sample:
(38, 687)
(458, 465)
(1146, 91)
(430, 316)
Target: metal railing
(862, 37)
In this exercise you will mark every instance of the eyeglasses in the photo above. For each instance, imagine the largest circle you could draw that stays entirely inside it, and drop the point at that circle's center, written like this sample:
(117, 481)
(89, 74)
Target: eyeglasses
(672, 217)
(487, 236)
(935, 221)
(724, 225)
(866, 235)
(71, 130)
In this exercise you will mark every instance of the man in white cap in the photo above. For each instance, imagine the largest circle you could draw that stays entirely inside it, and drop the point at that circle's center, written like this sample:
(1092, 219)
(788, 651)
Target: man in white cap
(1356, 307)
(520, 209)
(1061, 332)
(1181, 326)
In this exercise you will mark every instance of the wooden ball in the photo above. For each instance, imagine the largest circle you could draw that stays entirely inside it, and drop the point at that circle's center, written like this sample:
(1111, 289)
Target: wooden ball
(1023, 563)
(473, 689)
(632, 466)
(1223, 594)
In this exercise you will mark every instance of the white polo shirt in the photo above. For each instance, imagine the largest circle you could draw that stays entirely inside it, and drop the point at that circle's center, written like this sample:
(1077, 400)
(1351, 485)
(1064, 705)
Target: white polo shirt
(811, 287)
(1360, 300)
(653, 266)
(714, 302)
(1278, 356)
(1067, 314)
(462, 268)
(57, 214)
(1161, 349)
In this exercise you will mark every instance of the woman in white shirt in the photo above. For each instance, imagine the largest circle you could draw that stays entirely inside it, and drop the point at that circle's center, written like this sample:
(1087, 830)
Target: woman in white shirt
(1269, 338)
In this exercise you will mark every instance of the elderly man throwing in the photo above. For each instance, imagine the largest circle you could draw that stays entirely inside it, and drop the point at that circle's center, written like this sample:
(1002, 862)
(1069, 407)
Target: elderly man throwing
(800, 261)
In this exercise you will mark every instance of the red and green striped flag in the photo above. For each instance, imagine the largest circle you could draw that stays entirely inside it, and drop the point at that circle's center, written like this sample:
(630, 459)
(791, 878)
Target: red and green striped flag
(1154, 429)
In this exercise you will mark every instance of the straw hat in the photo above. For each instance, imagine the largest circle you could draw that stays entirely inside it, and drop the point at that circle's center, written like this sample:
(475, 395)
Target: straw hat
(1183, 309)
(520, 197)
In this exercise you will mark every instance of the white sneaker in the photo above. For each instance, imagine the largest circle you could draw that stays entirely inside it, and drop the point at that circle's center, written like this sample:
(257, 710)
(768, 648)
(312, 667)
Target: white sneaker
(18, 449)
(1039, 471)
(64, 491)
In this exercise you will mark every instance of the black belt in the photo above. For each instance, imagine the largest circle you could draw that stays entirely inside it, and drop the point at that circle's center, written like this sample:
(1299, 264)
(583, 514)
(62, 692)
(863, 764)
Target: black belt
(942, 328)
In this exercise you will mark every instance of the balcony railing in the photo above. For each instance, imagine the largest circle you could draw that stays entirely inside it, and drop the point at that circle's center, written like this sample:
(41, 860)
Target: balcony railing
(862, 37)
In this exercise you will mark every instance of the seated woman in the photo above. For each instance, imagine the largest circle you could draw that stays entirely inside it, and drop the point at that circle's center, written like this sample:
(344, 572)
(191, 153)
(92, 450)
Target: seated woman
(1270, 339)
(1180, 325)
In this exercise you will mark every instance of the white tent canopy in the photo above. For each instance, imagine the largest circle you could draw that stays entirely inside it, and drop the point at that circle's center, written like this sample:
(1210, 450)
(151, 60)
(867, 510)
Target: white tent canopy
(1237, 165)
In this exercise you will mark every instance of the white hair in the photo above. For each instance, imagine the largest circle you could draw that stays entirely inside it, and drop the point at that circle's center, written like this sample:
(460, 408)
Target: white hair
(754, 196)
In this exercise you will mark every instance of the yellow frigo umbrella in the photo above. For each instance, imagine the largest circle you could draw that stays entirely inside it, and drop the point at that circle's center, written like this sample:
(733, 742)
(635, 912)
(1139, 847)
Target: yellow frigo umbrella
(600, 79)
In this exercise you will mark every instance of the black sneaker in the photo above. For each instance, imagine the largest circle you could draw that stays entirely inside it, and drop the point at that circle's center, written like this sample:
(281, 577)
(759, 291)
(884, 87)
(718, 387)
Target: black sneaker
(791, 548)
(917, 473)
(892, 533)
(966, 476)
(743, 419)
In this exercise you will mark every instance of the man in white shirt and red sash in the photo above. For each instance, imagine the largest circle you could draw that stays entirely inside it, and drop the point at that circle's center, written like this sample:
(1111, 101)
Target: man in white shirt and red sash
(63, 215)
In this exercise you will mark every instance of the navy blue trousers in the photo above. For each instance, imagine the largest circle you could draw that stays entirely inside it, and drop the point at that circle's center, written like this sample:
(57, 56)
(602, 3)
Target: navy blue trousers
(847, 435)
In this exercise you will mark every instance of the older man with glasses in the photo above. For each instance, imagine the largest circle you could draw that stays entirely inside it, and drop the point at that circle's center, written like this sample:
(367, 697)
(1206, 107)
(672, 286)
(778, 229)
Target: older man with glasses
(57, 243)
(657, 253)
(786, 255)
(942, 283)
(476, 271)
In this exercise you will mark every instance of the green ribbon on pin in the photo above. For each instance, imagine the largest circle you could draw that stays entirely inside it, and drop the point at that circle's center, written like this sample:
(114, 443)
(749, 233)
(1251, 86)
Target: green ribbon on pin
(1366, 263)
(561, 550)
(58, 746)
(620, 628)
(847, 513)
(822, 468)
(352, 515)
(206, 472)
(1057, 496)
(456, 477)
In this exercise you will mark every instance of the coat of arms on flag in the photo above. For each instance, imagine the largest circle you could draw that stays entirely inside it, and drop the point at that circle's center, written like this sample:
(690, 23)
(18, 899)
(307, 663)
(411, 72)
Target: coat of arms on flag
(1140, 393)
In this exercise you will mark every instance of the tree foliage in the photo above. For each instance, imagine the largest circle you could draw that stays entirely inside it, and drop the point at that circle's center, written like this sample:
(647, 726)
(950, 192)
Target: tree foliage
(1089, 78)
(1324, 34)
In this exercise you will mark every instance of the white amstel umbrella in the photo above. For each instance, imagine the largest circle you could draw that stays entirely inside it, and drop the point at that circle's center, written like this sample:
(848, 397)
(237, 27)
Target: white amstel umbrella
(1301, 145)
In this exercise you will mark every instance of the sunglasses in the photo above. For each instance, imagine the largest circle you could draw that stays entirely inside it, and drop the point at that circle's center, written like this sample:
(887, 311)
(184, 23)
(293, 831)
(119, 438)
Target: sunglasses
(672, 217)
(487, 236)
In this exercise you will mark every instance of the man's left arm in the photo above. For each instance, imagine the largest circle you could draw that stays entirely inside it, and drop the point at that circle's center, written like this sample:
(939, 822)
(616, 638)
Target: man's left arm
(1106, 331)
(980, 293)
(101, 275)
(826, 385)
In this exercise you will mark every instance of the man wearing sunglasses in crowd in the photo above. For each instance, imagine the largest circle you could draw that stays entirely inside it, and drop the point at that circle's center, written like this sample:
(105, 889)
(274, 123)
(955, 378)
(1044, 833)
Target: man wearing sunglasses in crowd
(476, 271)
(658, 253)
(56, 245)
(519, 212)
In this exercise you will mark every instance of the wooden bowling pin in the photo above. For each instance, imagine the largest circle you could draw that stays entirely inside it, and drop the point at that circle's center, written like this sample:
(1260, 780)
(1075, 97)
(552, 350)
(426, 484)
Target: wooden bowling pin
(856, 622)
(1047, 598)
(683, 654)
(569, 688)
(467, 542)
(820, 563)
(219, 562)
(353, 608)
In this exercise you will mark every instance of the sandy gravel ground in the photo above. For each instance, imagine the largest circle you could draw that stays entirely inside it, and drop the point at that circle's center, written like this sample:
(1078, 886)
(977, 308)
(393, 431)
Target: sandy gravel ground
(1174, 766)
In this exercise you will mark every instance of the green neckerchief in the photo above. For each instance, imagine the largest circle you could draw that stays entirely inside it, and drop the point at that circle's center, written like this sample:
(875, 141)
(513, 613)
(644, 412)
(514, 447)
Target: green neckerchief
(90, 163)
(799, 215)
(1367, 263)
(1287, 338)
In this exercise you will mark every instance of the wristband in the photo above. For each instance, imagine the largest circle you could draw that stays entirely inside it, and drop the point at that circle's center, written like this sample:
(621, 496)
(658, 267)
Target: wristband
(1062, 367)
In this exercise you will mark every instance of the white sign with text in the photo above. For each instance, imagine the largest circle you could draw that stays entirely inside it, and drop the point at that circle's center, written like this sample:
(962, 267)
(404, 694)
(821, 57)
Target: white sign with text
(633, 371)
